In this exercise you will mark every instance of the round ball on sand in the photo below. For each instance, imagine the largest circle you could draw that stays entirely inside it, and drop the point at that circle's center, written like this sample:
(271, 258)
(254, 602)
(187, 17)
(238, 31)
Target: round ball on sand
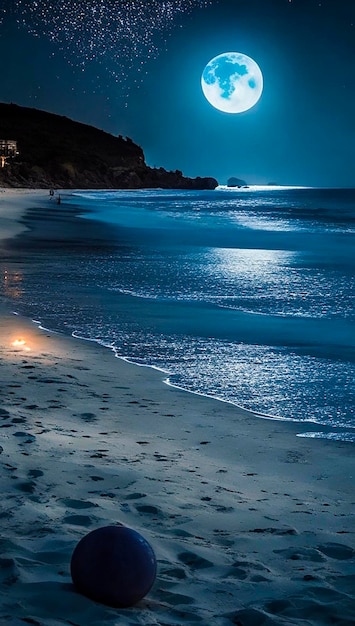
(113, 565)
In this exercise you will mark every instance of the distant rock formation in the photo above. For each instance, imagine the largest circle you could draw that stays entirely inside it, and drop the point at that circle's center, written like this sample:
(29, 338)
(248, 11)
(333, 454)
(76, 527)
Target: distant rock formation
(56, 152)
(236, 182)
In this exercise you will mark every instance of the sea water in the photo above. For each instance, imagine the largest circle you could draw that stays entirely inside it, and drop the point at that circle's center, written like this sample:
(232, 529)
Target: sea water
(246, 295)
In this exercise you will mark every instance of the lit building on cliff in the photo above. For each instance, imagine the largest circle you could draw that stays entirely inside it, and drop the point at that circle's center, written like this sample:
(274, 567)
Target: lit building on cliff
(8, 148)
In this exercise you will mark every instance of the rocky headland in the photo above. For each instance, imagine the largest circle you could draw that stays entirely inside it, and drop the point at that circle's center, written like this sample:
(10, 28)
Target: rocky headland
(57, 152)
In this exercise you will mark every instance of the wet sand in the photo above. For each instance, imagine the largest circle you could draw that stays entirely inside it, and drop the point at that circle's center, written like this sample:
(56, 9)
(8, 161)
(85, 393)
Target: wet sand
(250, 523)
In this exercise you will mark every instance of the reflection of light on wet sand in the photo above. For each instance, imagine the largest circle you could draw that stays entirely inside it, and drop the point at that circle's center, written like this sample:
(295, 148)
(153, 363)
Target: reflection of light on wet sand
(21, 343)
(12, 283)
(20, 338)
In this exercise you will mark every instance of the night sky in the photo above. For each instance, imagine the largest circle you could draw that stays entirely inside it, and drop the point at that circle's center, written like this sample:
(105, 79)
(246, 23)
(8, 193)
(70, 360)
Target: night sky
(134, 67)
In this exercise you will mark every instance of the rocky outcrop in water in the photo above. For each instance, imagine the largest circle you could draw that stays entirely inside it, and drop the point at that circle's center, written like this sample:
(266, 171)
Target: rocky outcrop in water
(236, 182)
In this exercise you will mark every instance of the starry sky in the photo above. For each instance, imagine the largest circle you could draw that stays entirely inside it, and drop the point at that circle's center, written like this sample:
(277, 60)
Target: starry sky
(133, 67)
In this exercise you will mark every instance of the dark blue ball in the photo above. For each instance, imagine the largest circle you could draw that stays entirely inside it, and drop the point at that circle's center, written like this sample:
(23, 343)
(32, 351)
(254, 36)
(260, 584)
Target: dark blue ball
(113, 565)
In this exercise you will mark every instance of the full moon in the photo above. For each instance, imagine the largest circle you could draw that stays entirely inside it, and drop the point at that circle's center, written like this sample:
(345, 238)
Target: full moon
(232, 82)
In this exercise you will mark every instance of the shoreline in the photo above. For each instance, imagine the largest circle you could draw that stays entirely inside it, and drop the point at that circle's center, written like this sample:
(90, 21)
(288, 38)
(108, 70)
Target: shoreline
(250, 524)
(18, 200)
(318, 429)
(13, 205)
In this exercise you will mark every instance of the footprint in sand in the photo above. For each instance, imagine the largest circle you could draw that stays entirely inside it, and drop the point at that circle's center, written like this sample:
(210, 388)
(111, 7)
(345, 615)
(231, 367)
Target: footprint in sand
(136, 496)
(337, 551)
(26, 487)
(317, 605)
(248, 569)
(148, 509)
(21, 435)
(35, 473)
(9, 572)
(174, 599)
(346, 584)
(302, 554)
(78, 520)
(87, 417)
(194, 561)
(176, 573)
(78, 504)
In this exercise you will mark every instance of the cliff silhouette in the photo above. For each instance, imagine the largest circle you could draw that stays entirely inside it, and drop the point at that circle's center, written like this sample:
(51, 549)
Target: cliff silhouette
(55, 151)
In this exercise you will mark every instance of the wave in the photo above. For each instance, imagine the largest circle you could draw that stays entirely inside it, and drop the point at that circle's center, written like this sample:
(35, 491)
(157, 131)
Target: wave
(191, 286)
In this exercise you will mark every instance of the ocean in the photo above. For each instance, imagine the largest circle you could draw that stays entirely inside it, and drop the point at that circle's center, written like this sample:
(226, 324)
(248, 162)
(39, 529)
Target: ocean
(245, 295)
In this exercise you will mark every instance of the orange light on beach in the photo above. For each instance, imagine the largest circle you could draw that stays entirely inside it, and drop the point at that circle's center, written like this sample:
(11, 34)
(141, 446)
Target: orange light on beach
(21, 343)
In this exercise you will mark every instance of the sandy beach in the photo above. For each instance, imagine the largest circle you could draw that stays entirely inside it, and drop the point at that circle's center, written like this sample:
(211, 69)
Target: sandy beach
(13, 204)
(251, 525)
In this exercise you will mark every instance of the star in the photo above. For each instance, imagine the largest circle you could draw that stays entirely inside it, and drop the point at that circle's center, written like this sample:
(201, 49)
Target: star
(119, 35)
